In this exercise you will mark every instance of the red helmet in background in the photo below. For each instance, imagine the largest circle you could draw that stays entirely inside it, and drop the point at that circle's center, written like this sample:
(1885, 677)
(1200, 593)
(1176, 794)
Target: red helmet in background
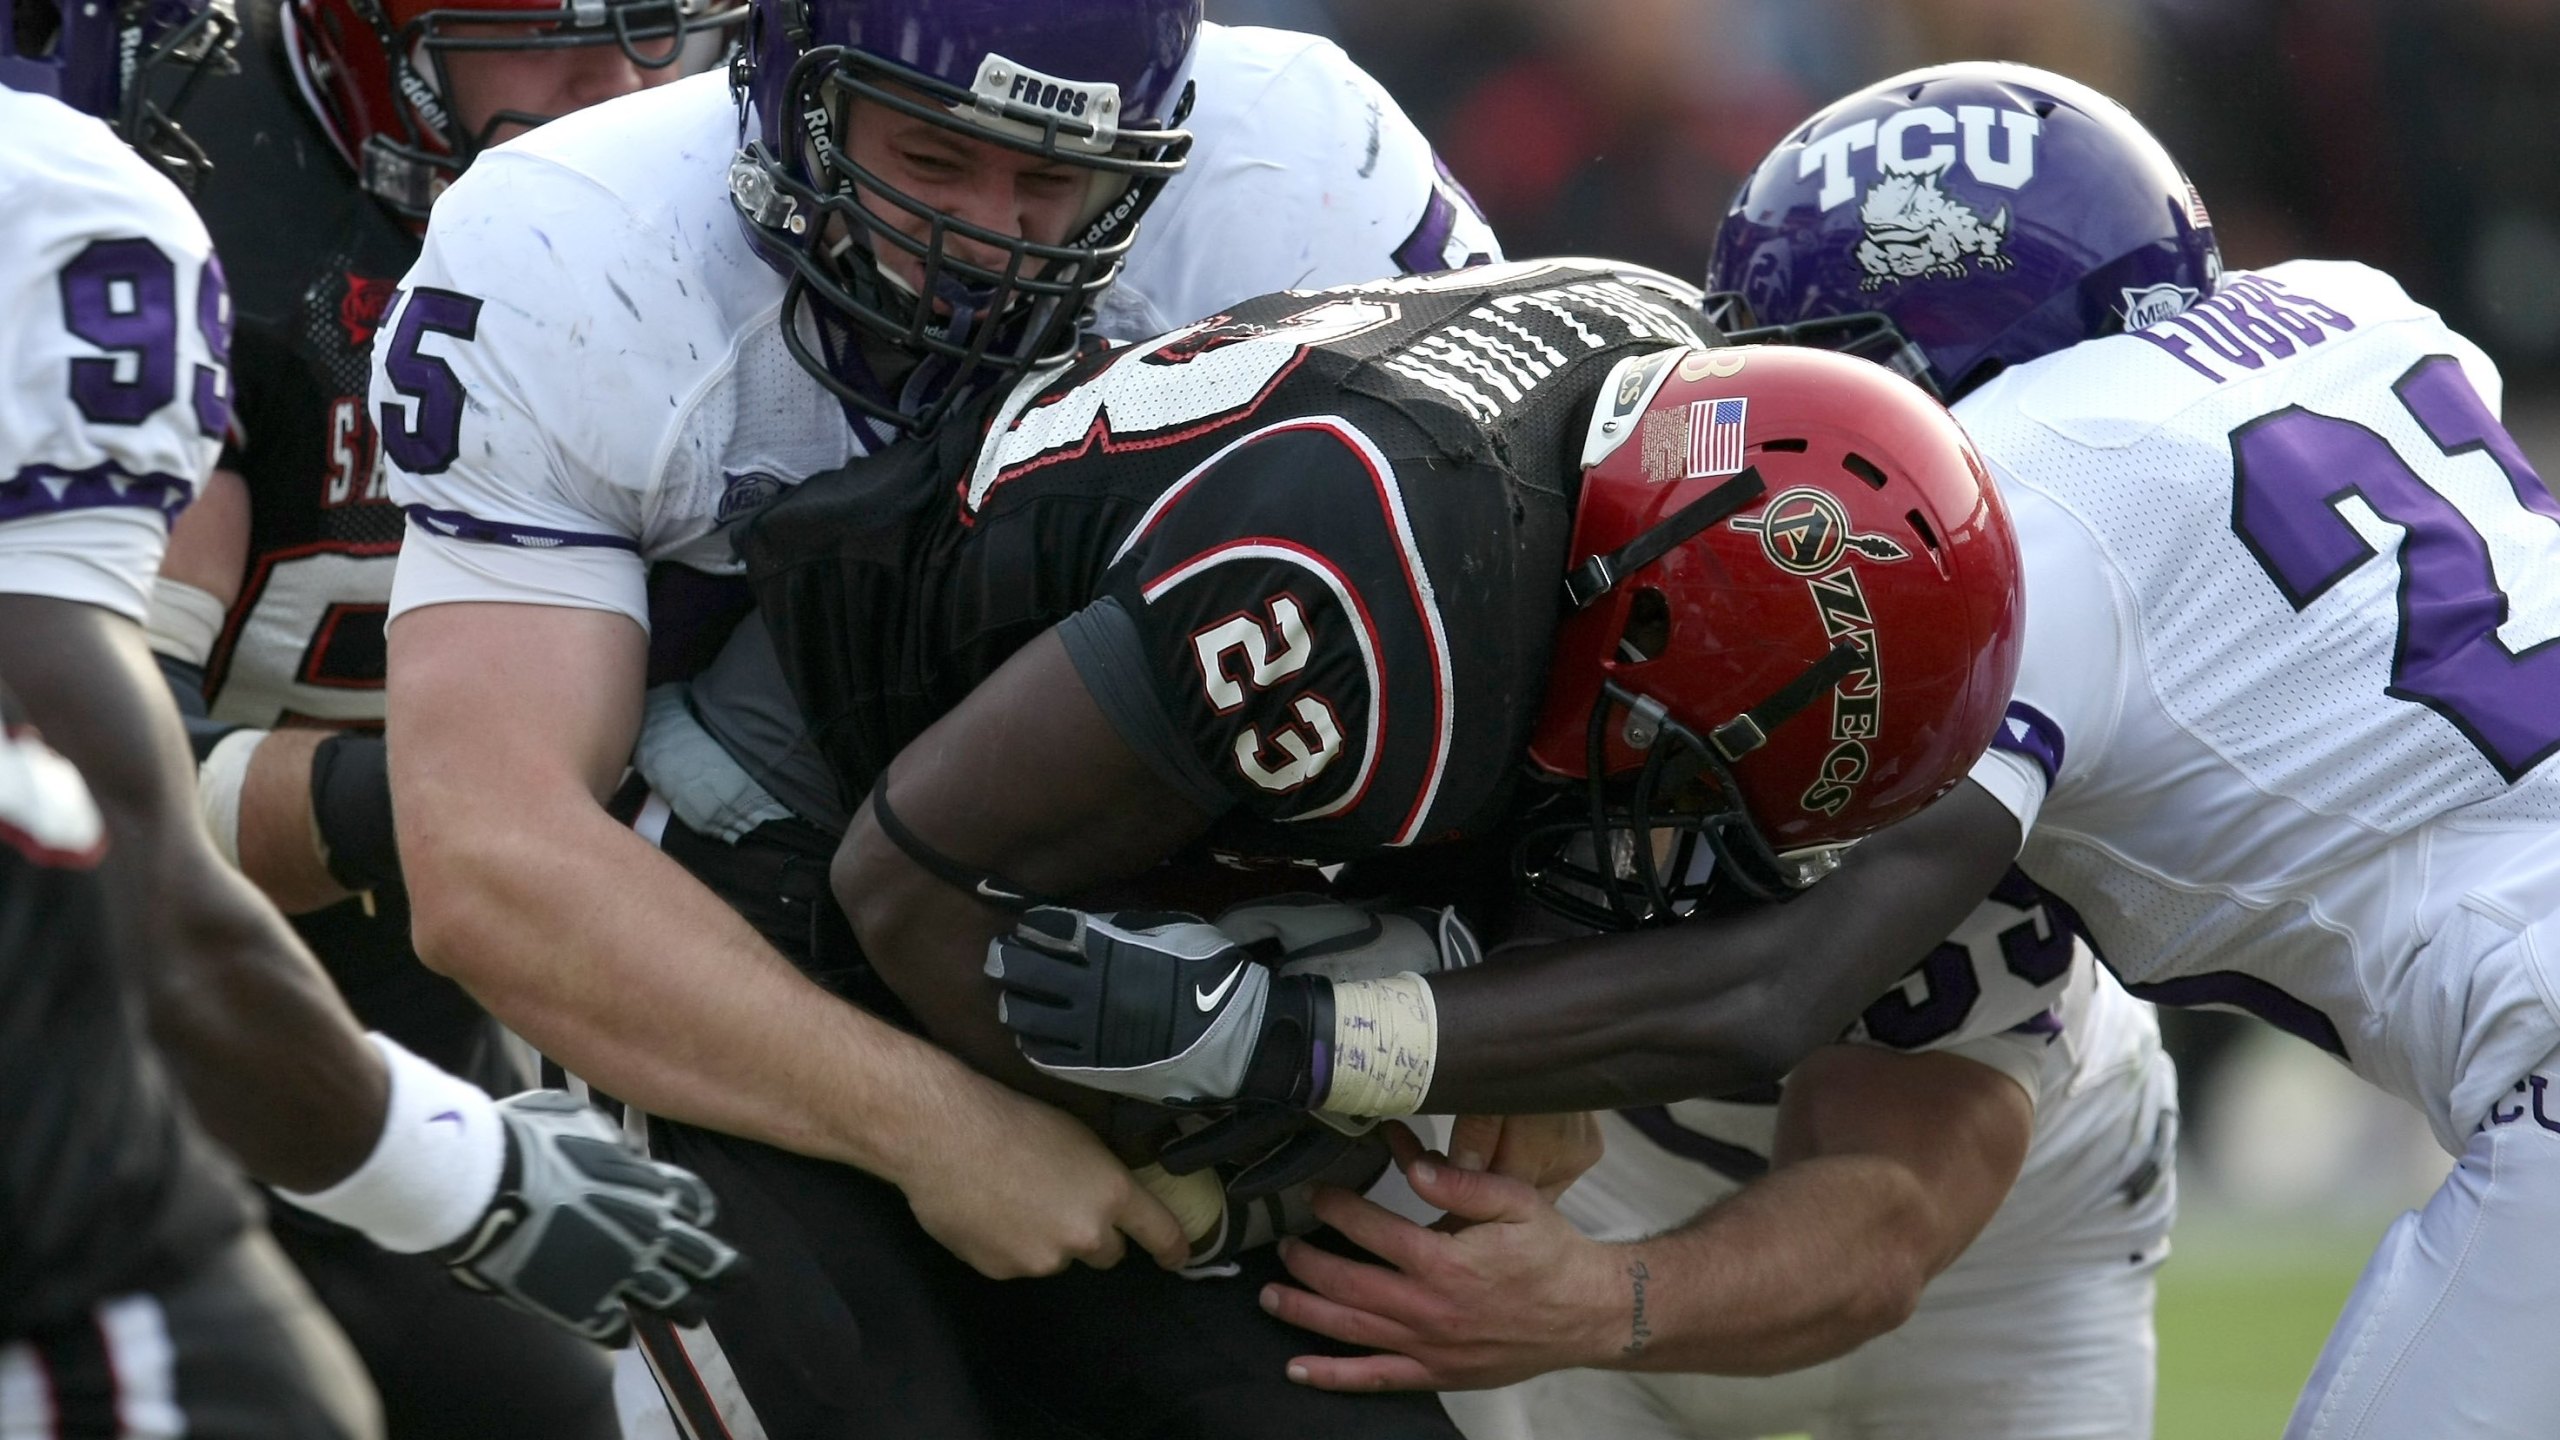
(375, 70)
(1796, 617)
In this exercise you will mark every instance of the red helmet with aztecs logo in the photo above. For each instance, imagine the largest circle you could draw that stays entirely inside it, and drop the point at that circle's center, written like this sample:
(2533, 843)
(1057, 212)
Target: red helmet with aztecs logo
(1795, 619)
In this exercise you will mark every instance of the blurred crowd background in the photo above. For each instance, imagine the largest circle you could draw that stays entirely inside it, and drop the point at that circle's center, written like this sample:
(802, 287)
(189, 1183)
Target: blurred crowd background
(2413, 134)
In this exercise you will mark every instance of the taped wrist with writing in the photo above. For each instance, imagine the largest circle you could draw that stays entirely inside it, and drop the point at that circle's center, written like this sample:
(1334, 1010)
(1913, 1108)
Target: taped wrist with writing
(1386, 1041)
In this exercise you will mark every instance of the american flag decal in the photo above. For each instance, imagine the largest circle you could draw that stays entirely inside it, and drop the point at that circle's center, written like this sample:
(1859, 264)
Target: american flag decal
(1715, 437)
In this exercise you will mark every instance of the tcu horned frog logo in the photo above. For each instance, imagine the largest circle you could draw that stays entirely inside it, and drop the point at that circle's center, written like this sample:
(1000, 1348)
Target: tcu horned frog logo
(1805, 532)
(1914, 227)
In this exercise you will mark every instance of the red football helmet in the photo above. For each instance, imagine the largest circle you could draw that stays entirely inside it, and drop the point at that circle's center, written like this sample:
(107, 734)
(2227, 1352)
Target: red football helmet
(1795, 617)
(376, 71)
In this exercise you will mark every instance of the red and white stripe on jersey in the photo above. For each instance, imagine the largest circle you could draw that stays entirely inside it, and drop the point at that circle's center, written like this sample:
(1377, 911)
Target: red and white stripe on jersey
(121, 1368)
(1425, 600)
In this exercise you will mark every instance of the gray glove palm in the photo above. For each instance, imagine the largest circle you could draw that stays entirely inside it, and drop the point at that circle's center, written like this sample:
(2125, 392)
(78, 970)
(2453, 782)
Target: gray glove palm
(584, 1225)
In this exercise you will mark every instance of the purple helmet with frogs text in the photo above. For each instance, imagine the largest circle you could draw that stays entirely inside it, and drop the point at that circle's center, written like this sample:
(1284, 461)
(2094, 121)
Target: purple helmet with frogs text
(127, 62)
(1960, 219)
(1099, 84)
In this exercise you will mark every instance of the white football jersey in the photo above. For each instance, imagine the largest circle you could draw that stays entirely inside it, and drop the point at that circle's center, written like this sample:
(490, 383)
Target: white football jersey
(117, 386)
(2077, 1044)
(586, 370)
(2289, 684)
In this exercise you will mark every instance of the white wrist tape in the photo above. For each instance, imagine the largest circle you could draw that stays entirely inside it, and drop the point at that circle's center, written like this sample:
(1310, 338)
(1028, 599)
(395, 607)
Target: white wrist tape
(1198, 1200)
(184, 621)
(433, 1170)
(1386, 1041)
(219, 780)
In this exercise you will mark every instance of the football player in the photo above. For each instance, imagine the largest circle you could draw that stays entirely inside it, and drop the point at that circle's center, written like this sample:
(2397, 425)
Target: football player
(626, 333)
(343, 122)
(132, 1282)
(113, 398)
(2282, 731)
(1286, 584)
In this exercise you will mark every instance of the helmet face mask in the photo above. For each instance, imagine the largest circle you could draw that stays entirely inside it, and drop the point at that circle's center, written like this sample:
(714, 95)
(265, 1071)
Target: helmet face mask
(385, 72)
(878, 274)
(1990, 213)
(133, 66)
(1792, 619)
(1672, 841)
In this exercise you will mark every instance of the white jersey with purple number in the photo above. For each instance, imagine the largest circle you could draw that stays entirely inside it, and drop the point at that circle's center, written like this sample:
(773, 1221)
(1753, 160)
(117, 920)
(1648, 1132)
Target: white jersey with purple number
(2290, 682)
(117, 390)
(586, 370)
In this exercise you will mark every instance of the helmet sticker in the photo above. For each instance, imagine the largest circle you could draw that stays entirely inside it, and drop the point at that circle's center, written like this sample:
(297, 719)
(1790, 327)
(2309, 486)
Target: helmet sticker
(1805, 531)
(1915, 229)
(1715, 437)
(2148, 305)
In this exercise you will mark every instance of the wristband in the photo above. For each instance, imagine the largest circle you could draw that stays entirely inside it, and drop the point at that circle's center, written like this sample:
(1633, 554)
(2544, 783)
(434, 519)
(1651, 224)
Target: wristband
(434, 1168)
(351, 810)
(1386, 1041)
(184, 620)
(219, 778)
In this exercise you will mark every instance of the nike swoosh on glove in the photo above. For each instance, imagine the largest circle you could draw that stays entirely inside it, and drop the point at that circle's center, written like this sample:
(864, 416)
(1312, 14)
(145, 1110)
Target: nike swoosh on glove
(584, 1225)
(1159, 1006)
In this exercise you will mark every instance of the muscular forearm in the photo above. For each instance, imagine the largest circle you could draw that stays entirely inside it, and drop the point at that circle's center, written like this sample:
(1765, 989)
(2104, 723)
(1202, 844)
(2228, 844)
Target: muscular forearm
(265, 1051)
(611, 960)
(1712, 1006)
(1804, 1265)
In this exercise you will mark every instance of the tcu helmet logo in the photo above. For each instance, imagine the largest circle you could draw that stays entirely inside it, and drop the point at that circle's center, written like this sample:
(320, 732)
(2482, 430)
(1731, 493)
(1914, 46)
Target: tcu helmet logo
(1804, 531)
(1914, 228)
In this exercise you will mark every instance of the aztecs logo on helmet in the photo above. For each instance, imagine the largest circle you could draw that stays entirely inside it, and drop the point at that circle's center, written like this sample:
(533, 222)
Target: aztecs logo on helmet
(1805, 531)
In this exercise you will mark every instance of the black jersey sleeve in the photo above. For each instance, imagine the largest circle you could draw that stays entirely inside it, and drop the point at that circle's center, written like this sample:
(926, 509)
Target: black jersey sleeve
(1270, 637)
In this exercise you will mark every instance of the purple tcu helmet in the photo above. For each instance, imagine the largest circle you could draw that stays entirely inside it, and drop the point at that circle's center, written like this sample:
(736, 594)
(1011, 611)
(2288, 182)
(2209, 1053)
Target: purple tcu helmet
(1956, 220)
(1100, 84)
(115, 60)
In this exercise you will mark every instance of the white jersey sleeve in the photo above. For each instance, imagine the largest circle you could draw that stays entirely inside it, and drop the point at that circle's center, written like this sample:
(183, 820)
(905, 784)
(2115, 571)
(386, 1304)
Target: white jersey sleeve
(2072, 667)
(523, 384)
(1304, 174)
(117, 387)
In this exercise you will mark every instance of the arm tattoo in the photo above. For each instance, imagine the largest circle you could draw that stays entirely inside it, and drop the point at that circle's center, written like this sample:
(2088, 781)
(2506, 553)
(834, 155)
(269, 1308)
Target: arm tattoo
(1638, 1332)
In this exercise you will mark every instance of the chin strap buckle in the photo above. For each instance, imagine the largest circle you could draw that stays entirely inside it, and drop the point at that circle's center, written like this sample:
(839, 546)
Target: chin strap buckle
(752, 190)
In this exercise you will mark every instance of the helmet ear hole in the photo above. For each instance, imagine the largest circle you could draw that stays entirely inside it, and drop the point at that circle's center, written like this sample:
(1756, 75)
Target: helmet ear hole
(1791, 447)
(1865, 469)
(1648, 630)
(1928, 537)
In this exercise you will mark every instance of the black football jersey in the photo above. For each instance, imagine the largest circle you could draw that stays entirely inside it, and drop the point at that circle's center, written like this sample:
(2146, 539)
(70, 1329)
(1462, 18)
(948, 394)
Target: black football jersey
(1307, 556)
(312, 262)
(105, 1185)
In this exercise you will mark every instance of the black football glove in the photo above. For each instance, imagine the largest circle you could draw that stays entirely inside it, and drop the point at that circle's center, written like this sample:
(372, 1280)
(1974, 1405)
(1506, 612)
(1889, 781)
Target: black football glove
(583, 1224)
(1162, 1007)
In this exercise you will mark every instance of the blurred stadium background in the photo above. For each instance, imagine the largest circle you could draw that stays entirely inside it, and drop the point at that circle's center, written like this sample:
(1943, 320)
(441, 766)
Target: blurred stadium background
(2412, 134)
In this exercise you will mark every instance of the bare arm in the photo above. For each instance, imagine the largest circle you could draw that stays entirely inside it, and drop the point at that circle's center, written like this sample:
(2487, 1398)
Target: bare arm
(279, 852)
(1028, 780)
(1888, 1165)
(508, 725)
(1712, 1006)
(267, 1054)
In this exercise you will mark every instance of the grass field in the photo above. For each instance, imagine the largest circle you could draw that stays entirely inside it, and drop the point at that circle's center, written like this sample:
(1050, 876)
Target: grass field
(2243, 1310)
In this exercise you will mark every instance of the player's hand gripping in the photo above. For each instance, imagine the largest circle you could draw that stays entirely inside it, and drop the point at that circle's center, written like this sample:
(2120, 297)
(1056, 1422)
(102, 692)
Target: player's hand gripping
(584, 1224)
(1173, 1009)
